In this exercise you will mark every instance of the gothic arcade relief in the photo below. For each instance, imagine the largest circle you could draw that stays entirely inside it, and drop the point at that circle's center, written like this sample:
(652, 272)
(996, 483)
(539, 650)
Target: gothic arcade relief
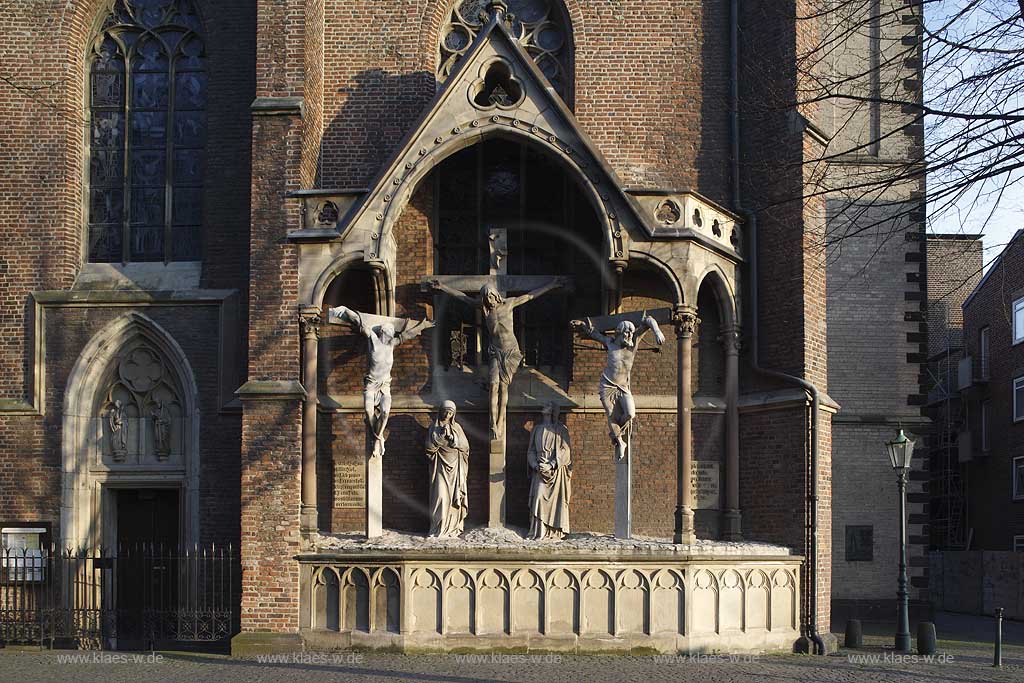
(140, 410)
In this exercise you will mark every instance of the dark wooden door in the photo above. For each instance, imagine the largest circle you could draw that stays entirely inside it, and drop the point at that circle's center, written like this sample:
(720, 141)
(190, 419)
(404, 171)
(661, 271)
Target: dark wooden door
(147, 536)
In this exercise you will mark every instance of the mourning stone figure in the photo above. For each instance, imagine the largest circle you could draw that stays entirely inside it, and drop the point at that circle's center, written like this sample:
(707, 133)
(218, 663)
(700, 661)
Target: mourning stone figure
(551, 477)
(616, 397)
(448, 453)
(161, 430)
(118, 431)
(503, 348)
(382, 340)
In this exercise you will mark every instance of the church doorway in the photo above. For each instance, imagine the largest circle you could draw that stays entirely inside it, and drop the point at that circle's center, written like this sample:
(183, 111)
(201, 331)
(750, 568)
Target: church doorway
(147, 548)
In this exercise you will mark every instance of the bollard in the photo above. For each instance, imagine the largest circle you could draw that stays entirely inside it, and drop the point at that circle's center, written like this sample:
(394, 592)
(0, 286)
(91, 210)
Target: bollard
(997, 660)
(854, 634)
(926, 638)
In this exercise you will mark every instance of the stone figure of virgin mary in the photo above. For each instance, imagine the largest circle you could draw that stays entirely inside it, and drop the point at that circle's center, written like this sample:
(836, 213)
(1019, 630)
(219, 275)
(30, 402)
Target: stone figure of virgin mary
(448, 453)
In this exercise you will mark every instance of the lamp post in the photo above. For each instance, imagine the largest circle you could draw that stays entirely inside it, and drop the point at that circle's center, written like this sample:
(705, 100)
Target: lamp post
(900, 451)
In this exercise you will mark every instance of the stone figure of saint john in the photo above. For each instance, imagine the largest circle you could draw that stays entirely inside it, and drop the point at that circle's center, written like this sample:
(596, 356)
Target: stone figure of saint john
(448, 453)
(550, 464)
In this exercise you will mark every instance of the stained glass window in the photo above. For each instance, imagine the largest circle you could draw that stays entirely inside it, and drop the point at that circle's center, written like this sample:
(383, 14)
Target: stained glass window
(147, 133)
(540, 26)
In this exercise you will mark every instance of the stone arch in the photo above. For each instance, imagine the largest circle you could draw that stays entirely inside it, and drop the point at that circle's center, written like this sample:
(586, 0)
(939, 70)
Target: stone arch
(85, 510)
(715, 278)
(383, 279)
(476, 130)
(666, 271)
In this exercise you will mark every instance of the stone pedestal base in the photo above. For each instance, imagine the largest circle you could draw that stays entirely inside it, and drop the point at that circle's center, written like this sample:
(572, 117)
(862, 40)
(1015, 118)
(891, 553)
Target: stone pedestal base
(732, 526)
(624, 497)
(374, 496)
(651, 597)
(496, 486)
(308, 519)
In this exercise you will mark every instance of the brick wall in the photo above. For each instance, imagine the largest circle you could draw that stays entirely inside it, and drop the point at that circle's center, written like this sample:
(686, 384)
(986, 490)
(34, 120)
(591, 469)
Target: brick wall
(42, 149)
(992, 515)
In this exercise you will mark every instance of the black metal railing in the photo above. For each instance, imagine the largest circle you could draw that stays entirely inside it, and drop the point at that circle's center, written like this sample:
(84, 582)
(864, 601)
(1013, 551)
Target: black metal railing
(133, 597)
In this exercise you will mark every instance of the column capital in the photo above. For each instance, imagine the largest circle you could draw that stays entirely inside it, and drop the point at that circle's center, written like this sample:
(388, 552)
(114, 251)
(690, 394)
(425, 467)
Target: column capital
(730, 337)
(685, 320)
(309, 322)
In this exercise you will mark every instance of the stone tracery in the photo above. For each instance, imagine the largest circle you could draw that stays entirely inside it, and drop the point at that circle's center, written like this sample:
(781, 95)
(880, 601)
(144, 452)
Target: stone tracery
(540, 26)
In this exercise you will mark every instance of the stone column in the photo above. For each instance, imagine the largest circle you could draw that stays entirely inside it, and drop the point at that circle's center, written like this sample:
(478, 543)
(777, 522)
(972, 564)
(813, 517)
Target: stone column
(309, 320)
(731, 520)
(686, 321)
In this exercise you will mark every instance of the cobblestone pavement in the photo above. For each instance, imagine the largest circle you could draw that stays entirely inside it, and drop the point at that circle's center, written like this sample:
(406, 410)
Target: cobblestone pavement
(957, 662)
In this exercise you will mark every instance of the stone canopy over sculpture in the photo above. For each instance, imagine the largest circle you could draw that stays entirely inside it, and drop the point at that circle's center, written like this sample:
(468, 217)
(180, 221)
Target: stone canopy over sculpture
(550, 463)
(448, 453)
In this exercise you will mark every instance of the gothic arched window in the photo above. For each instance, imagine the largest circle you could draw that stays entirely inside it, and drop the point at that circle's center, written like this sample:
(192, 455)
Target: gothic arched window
(541, 26)
(147, 101)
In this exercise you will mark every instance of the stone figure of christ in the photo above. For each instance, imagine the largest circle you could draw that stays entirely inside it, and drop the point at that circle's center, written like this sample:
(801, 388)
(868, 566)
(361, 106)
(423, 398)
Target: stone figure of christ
(616, 396)
(381, 341)
(503, 350)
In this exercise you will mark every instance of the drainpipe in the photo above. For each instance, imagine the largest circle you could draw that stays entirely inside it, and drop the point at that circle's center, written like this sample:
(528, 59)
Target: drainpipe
(750, 218)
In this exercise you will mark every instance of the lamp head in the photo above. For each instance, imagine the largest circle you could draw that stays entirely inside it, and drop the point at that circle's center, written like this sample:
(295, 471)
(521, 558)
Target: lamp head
(900, 449)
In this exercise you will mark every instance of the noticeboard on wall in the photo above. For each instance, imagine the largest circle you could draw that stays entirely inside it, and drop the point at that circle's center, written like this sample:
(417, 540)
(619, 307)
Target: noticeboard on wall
(23, 549)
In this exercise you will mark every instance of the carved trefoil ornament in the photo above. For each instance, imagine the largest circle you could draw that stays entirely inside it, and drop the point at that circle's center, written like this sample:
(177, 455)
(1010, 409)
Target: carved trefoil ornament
(668, 212)
(141, 410)
(540, 26)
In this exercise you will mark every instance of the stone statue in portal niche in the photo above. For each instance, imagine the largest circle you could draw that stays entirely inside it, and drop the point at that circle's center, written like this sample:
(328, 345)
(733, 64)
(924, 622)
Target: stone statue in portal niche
(551, 477)
(616, 396)
(503, 347)
(118, 431)
(382, 336)
(161, 430)
(448, 453)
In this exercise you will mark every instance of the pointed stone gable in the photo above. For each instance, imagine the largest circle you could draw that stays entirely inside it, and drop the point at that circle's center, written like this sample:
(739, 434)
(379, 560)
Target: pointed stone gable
(496, 90)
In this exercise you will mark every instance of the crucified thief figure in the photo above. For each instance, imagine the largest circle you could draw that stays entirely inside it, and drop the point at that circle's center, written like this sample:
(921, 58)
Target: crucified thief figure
(616, 396)
(502, 349)
(381, 340)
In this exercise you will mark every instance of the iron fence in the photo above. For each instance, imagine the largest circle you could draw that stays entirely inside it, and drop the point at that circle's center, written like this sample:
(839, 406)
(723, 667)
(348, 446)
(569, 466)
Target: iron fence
(130, 598)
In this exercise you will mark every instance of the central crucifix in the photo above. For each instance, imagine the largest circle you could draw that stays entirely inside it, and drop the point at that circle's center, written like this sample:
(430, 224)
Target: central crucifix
(497, 300)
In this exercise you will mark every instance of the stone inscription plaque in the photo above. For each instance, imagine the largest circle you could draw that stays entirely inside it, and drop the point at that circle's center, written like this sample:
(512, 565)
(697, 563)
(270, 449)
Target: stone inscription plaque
(706, 484)
(349, 486)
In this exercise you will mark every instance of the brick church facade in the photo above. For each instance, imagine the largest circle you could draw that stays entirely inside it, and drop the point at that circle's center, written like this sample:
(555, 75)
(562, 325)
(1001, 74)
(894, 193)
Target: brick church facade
(182, 185)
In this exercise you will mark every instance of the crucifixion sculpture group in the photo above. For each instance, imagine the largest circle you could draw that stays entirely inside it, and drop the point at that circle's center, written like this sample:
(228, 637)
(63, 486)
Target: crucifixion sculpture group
(447, 446)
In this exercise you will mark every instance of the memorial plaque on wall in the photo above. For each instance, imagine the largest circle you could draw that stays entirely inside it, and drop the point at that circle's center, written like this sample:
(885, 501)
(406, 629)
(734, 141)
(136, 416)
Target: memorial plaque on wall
(706, 483)
(349, 485)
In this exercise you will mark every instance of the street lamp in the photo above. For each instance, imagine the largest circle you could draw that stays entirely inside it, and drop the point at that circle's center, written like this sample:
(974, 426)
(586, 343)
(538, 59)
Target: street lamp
(900, 451)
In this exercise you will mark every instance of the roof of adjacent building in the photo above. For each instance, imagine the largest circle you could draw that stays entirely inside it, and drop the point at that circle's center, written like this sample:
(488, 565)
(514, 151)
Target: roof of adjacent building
(993, 266)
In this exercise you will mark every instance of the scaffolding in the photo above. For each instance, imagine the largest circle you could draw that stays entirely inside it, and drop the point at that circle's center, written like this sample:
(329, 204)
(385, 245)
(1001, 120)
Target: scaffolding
(947, 410)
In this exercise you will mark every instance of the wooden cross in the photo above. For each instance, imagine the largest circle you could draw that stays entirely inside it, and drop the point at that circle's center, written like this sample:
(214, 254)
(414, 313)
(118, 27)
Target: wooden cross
(617, 399)
(463, 287)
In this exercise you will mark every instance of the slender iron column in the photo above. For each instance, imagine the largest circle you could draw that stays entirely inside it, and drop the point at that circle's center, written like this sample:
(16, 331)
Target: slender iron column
(686, 322)
(902, 613)
(309, 321)
(731, 519)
